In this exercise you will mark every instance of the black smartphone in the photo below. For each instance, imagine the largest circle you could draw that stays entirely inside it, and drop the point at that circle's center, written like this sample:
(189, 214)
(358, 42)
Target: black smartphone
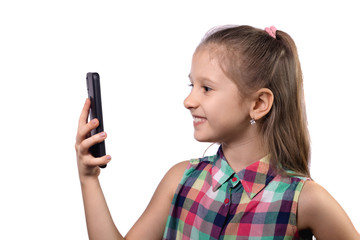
(94, 93)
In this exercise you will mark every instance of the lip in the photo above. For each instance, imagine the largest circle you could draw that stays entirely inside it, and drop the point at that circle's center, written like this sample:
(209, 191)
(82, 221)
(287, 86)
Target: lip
(197, 120)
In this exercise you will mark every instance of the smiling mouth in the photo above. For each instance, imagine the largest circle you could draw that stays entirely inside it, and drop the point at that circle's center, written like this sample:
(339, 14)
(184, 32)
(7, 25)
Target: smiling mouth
(198, 120)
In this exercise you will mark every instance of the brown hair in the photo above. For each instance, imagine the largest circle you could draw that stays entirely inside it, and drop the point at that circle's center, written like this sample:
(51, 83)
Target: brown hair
(253, 60)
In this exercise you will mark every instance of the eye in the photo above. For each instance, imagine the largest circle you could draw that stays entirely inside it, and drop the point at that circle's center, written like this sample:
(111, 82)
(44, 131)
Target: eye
(207, 89)
(191, 85)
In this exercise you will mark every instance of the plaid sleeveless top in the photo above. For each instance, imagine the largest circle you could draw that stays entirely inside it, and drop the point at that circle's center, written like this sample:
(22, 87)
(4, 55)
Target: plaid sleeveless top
(214, 202)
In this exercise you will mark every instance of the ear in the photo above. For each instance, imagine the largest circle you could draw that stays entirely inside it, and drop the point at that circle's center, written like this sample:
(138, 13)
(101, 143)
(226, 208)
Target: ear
(262, 102)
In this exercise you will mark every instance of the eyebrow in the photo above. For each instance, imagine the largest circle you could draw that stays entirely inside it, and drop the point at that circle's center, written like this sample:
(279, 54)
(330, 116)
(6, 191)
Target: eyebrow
(189, 77)
(203, 79)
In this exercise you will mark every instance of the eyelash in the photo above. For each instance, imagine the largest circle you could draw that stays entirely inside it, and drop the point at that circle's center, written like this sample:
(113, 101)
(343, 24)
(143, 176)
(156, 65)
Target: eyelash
(207, 89)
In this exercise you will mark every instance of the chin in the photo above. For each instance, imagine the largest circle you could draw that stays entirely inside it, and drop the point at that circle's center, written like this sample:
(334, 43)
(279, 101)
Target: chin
(202, 138)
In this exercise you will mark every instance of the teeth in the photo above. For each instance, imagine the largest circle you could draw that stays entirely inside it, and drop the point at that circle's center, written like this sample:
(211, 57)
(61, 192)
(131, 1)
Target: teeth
(198, 119)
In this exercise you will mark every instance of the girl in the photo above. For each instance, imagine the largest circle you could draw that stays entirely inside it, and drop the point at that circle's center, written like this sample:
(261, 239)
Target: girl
(247, 95)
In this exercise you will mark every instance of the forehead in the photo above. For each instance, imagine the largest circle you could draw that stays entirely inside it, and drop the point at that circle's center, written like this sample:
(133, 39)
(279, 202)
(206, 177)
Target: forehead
(204, 62)
(215, 51)
(206, 69)
(209, 62)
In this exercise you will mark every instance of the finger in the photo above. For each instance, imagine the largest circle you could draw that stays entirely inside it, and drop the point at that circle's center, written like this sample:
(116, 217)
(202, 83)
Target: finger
(84, 130)
(100, 161)
(91, 141)
(85, 112)
(83, 120)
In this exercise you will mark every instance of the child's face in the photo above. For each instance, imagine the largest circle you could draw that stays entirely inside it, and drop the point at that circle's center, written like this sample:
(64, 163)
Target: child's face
(220, 113)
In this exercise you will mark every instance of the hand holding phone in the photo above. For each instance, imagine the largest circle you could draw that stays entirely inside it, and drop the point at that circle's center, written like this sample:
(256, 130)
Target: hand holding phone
(94, 94)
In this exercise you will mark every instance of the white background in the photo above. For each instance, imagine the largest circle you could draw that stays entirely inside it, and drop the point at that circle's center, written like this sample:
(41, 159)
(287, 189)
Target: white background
(142, 50)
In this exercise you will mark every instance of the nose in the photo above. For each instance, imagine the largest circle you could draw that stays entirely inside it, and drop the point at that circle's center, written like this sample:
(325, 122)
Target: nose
(190, 101)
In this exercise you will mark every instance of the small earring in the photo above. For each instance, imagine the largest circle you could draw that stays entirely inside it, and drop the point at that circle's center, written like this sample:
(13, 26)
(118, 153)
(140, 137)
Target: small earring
(252, 121)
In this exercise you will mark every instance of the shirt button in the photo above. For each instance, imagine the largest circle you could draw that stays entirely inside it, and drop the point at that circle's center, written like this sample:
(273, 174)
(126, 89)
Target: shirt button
(226, 201)
(234, 179)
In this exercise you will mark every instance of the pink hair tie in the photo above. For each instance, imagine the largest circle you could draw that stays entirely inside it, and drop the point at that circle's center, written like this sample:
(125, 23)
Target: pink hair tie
(271, 31)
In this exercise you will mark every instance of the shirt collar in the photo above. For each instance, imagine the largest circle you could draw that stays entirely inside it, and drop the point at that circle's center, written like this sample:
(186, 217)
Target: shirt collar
(253, 178)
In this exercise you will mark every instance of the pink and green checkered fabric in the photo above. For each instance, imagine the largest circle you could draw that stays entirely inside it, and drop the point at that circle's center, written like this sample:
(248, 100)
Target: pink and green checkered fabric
(214, 202)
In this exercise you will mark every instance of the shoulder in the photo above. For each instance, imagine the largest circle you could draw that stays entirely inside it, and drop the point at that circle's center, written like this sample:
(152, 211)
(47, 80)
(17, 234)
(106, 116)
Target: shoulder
(310, 202)
(312, 192)
(181, 171)
(173, 176)
(322, 214)
(178, 169)
(314, 200)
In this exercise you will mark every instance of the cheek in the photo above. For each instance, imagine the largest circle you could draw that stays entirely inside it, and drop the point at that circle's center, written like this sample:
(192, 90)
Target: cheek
(227, 109)
(233, 115)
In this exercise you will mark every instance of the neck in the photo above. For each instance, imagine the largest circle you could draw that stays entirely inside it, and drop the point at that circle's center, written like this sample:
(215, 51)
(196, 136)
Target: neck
(243, 153)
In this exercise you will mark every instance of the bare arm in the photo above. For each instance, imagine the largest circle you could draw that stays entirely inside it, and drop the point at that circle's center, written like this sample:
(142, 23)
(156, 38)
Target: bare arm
(151, 224)
(99, 222)
(98, 218)
(320, 212)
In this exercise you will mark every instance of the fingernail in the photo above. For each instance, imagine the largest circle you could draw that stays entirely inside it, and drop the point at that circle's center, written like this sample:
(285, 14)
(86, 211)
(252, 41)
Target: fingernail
(108, 157)
(102, 134)
(93, 121)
